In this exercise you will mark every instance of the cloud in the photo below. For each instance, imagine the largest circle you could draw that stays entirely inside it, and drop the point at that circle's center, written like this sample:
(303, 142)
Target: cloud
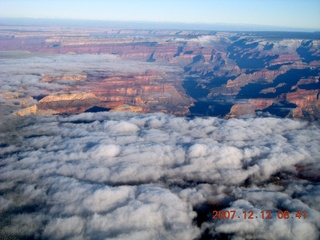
(59, 228)
(156, 176)
(21, 72)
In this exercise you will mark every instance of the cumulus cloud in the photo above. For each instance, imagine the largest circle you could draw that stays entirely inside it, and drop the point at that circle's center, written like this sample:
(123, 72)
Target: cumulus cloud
(156, 176)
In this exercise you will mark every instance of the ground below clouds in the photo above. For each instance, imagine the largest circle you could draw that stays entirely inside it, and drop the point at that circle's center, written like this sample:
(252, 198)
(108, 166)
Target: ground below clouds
(155, 176)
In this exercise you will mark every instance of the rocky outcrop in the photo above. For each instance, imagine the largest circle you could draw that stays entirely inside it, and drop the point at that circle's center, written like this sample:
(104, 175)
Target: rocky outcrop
(308, 104)
(67, 103)
(67, 97)
(272, 89)
(249, 108)
(27, 111)
(127, 108)
(76, 77)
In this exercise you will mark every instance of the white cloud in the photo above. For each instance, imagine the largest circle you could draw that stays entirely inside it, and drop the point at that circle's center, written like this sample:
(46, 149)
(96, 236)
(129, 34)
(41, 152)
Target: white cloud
(153, 176)
(59, 228)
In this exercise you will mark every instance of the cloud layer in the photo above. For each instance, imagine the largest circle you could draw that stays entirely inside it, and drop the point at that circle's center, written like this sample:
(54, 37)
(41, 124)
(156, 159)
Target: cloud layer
(155, 176)
(21, 71)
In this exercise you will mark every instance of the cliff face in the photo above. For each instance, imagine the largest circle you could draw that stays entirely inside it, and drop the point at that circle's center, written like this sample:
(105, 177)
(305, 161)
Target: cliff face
(252, 71)
(76, 77)
(27, 111)
(131, 91)
(308, 104)
(249, 108)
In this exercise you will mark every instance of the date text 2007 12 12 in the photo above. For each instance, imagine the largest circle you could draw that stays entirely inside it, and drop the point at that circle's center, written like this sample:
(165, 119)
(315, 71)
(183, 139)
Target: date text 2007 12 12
(263, 214)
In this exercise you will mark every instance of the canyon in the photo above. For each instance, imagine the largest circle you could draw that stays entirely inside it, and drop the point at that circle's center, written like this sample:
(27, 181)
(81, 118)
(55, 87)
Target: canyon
(188, 73)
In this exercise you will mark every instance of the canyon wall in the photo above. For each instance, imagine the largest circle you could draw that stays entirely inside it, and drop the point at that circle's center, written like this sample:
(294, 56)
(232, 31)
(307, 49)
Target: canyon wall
(251, 71)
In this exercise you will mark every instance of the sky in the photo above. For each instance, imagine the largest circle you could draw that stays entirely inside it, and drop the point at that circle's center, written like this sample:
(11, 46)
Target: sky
(283, 13)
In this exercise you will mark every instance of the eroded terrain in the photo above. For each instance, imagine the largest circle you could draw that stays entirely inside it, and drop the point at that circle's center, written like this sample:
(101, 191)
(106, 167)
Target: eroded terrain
(226, 74)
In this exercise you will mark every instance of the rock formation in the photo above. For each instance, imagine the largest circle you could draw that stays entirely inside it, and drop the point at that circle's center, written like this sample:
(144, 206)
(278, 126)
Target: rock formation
(252, 71)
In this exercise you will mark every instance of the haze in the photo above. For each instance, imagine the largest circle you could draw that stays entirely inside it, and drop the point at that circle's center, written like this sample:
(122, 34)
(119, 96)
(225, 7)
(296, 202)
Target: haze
(287, 14)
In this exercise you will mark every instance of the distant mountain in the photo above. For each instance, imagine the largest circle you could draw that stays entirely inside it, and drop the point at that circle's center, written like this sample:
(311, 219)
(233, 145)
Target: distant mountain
(148, 25)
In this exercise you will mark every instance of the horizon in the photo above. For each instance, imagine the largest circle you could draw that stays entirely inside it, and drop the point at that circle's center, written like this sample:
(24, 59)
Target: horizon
(228, 27)
(266, 14)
